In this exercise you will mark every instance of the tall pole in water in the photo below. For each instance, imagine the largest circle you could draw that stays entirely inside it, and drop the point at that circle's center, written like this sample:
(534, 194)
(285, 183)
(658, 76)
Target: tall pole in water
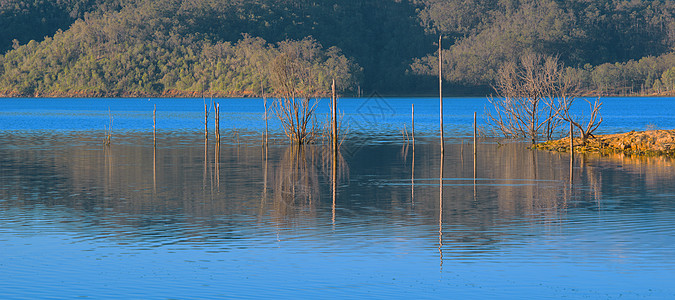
(440, 90)
(440, 204)
(154, 126)
(206, 121)
(262, 91)
(571, 153)
(413, 127)
(334, 117)
(333, 109)
(475, 140)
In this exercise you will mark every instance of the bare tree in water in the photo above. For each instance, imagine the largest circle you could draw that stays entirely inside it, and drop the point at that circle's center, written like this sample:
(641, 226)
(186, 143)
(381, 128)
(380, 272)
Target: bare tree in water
(295, 83)
(532, 96)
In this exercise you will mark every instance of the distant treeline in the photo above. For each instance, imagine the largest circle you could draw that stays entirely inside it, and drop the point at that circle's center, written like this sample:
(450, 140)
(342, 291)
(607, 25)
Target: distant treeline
(120, 54)
(181, 47)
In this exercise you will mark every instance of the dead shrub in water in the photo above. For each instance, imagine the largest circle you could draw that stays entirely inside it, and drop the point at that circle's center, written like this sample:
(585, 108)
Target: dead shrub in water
(295, 88)
(531, 98)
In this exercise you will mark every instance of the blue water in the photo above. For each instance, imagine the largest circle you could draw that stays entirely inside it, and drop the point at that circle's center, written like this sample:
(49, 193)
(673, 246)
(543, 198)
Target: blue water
(619, 114)
(129, 220)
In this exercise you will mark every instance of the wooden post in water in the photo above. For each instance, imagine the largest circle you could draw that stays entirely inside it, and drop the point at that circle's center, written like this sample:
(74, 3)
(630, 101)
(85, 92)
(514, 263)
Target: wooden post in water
(265, 107)
(571, 153)
(217, 121)
(475, 154)
(108, 130)
(413, 128)
(412, 165)
(262, 88)
(206, 121)
(475, 140)
(154, 126)
(440, 90)
(335, 145)
(334, 119)
(154, 149)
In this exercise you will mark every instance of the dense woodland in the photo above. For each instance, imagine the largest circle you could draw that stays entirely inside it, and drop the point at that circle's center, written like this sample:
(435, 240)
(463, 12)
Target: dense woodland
(227, 47)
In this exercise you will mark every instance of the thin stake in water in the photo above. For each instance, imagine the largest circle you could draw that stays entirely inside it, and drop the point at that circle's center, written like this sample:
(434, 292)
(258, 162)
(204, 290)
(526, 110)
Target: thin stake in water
(571, 153)
(206, 121)
(413, 127)
(154, 126)
(334, 118)
(440, 90)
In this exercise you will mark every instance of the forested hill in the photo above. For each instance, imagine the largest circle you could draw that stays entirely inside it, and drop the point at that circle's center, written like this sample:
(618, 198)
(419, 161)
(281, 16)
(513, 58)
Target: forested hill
(226, 47)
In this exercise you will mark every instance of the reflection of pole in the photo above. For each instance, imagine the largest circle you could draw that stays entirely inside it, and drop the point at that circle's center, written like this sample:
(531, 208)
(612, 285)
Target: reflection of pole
(334, 184)
(108, 156)
(412, 179)
(217, 162)
(440, 90)
(206, 145)
(474, 175)
(264, 197)
(440, 213)
(154, 169)
(534, 164)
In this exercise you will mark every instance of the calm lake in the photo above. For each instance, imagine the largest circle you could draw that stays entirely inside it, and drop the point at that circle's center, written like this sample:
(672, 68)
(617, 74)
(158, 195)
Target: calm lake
(190, 219)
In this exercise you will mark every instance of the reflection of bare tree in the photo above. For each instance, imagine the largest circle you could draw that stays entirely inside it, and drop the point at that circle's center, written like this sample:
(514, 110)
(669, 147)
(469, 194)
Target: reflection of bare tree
(117, 180)
(297, 177)
(526, 181)
(297, 180)
(594, 167)
(337, 162)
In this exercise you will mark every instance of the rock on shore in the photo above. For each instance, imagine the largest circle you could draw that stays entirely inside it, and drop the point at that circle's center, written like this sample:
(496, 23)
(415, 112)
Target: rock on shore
(651, 142)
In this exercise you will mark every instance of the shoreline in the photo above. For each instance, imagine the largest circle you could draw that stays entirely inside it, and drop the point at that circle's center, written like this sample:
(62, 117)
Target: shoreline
(251, 94)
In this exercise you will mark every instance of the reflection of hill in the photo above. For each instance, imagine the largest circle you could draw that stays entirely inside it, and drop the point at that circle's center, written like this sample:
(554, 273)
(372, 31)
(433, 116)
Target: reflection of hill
(132, 184)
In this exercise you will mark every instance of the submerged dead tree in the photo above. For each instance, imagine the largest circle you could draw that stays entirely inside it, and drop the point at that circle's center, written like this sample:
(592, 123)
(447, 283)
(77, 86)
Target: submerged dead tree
(295, 90)
(301, 72)
(533, 95)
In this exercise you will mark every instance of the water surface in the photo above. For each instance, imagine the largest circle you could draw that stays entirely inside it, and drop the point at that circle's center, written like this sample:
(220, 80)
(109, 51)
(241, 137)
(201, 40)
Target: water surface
(188, 219)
